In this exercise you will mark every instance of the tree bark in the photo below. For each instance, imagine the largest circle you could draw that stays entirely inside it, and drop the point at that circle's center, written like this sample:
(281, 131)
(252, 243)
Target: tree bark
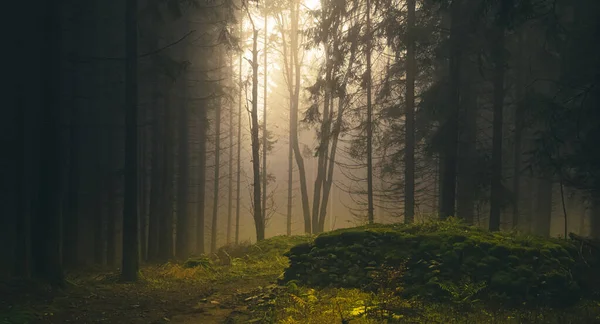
(182, 238)
(239, 151)
(200, 223)
(46, 227)
(215, 212)
(411, 66)
(496, 191)
(370, 208)
(449, 156)
(130, 264)
(258, 217)
(264, 137)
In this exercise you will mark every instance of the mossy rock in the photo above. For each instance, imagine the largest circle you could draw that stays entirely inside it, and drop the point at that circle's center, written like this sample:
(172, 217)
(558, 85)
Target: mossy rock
(442, 260)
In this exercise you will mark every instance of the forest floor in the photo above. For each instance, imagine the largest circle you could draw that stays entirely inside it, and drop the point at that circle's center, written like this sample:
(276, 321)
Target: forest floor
(241, 287)
(165, 294)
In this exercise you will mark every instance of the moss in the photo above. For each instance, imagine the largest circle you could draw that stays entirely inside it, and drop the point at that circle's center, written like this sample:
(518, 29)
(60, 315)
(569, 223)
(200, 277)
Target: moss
(514, 268)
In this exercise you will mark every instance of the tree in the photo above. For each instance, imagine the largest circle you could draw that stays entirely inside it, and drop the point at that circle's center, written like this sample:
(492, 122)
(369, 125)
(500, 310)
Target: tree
(370, 208)
(409, 173)
(215, 211)
(265, 140)
(259, 221)
(183, 185)
(130, 268)
(46, 239)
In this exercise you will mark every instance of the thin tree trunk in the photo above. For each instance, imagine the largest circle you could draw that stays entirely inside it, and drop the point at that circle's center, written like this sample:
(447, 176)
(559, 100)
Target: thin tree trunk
(411, 66)
(111, 221)
(335, 136)
(258, 217)
(182, 238)
(519, 116)
(496, 186)
(370, 208)
(168, 171)
(200, 223)
(156, 177)
(239, 151)
(215, 213)
(230, 161)
(264, 139)
(296, 66)
(22, 245)
(130, 264)
(448, 172)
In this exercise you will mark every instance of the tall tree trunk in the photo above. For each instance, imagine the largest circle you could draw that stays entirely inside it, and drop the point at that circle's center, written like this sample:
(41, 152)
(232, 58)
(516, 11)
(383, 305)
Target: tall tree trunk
(101, 201)
(295, 68)
(449, 155)
(46, 228)
(519, 116)
(258, 217)
(200, 223)
(411, 66)
(130, 267)
(337, 127)
(215, 212)
(466, 177)
(496, 186)
(230, 160)
(239, 150)
(22, 260)
(142, 197)
(370, 208)
(112, 208)
(168, 171)
(182, 238)
(264, 137)
(156, 176)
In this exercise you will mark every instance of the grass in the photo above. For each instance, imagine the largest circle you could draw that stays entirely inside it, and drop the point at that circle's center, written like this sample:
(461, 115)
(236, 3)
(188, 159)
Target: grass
(341, 305)
(237, 285)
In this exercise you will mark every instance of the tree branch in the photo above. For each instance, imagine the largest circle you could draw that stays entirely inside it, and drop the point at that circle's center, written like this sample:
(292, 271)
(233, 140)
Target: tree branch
(153, 52)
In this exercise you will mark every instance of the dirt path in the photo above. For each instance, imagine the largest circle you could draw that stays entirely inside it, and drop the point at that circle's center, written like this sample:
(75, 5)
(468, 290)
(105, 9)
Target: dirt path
(140, 303)
(229, 304)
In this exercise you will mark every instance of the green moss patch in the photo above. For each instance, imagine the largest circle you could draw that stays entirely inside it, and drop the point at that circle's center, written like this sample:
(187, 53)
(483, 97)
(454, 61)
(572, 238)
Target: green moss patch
(446, 260)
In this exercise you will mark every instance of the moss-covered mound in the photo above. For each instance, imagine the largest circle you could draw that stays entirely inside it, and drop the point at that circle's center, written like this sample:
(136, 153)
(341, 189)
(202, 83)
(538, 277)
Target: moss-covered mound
(444, 260)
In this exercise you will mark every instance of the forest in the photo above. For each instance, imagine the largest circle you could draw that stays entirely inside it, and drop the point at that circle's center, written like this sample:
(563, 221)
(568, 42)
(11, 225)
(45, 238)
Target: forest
(301, 161)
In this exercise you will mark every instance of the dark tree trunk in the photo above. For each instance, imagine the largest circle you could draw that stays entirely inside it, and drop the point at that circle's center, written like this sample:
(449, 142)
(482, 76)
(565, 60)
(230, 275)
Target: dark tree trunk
(130, 264)
(112, 208)
(519, 116)
(264, 137)
(411, 67)
(46, 227)
(215, 212)
(370, 208)
(239, 152)
(258, 217)
(182, 239)
(22, 260)
(71, 219)
(295, 67)
(496, 192)
(449, 155)
(200, 223)
(165, 238)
